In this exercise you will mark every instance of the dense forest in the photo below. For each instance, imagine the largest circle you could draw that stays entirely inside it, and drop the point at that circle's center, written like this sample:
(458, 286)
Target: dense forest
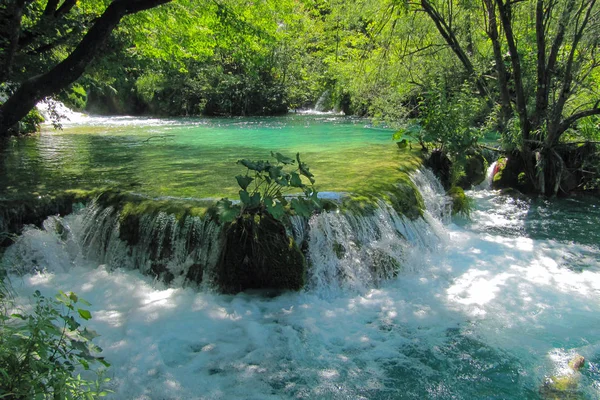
(444, 73)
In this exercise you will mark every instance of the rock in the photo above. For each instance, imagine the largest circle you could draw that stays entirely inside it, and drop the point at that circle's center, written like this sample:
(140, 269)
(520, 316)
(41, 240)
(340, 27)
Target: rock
(510, 173)
(259, 254)
(564, 386)
(475, 171)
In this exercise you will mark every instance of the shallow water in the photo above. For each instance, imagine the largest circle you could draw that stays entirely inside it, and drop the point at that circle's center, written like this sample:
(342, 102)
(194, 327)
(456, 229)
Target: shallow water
(196, 158)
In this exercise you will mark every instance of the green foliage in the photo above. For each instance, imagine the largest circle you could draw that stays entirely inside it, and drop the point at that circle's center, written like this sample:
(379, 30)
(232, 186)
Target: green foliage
(589, 128)
(74, 97)
(31, 123)
(263, 189)
(447, 121)
(44, 353)
(461, 203)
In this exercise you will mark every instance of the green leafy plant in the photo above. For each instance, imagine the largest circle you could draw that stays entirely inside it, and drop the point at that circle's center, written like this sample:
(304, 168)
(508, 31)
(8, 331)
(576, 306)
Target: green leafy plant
(264, 186)
(43, 353)
(446, 121)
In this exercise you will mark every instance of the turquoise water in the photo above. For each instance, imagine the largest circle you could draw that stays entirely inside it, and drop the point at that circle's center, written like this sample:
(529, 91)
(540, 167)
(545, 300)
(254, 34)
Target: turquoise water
(487, 308)
(194, 157)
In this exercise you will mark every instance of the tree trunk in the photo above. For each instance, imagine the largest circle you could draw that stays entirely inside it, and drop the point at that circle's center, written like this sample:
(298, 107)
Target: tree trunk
(505, 105)
(69, 70)
(13, 12)
(448, 34)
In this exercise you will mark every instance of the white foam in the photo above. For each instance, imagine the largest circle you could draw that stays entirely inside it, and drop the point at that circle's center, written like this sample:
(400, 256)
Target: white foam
(478, 312)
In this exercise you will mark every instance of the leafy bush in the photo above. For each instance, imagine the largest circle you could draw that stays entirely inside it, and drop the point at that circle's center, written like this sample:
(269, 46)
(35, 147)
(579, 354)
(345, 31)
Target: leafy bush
(74, 97)
(446, 121)
(43, 353)
(31, 122)
(263, 188)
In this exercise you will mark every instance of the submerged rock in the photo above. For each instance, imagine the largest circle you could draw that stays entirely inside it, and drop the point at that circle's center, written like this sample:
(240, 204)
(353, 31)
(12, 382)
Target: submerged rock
(564, 386)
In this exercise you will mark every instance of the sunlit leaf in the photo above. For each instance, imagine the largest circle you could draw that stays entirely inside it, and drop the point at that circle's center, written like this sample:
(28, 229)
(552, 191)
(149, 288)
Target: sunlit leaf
(85, 314)
(295, 180)
(226, 211)
(276, 210)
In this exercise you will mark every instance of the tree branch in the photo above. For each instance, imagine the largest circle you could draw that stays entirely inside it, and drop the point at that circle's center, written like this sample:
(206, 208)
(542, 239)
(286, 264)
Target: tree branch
(70, 69)
(567, 122)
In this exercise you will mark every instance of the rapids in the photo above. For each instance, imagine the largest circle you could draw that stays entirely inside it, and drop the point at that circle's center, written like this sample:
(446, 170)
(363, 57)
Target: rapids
(482, 308)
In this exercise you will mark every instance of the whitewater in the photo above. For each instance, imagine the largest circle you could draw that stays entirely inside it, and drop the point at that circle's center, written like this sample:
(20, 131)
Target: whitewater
(481, 309)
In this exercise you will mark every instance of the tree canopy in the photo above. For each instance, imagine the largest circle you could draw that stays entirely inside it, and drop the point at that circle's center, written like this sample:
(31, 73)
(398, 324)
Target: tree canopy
(527, 69)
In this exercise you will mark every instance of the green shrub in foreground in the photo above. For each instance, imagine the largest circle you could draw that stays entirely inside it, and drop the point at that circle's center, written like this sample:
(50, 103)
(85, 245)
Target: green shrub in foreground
(41, 353)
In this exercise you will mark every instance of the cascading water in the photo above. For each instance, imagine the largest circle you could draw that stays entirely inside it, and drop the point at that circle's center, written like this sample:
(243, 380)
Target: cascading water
(478, 311)
(489, 176)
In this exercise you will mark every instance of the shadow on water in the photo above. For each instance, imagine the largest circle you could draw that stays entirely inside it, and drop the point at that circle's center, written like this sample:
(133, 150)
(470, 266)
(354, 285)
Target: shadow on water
(571, 221)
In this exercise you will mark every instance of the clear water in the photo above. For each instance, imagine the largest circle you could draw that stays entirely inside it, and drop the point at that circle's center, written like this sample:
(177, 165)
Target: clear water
(195, 157)
(482, 309)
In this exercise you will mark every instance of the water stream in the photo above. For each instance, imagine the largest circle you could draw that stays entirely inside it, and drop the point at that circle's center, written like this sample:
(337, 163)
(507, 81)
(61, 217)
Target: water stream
(436, 308)
(481, 309)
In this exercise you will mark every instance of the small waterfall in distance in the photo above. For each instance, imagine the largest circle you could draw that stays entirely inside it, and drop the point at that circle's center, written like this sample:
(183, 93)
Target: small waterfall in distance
(489, 177)
(323, 101)
(345, 251)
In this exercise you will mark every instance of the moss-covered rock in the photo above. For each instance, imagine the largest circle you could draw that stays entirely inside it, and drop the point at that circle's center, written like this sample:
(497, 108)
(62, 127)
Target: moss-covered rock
(259, 254)
(403, 197)
(474, 171)
(565, 386)
(32, 209)
(510, 173)
(461, 203)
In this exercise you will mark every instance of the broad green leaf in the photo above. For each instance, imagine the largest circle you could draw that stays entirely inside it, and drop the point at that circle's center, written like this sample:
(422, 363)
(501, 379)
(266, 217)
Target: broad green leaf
(301, 207)
(85, 314)
(282, 159)
(245, 198)
(304, 170)
(226, 211)
(72, 324)
(257, 166)
(276, 210)
(244, 181)
(73, 297)
(255, 200)
(295, 180)
(89, 334)
(275, 172)
(103, 361)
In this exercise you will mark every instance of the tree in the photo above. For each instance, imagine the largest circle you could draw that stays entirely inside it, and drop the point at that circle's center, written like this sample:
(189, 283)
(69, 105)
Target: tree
(35, 88)
(546, 62)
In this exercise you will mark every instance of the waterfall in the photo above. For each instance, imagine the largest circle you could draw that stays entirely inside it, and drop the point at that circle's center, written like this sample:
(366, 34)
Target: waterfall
(344, 250)
(54, 110)
(174, 250)
(489, 177)
(322, 104)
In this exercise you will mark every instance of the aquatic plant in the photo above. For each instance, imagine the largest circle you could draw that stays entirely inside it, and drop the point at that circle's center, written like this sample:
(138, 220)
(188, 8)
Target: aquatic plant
(264, 186)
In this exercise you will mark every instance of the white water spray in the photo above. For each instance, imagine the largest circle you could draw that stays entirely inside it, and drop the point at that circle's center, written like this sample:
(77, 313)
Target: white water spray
(473, 312)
